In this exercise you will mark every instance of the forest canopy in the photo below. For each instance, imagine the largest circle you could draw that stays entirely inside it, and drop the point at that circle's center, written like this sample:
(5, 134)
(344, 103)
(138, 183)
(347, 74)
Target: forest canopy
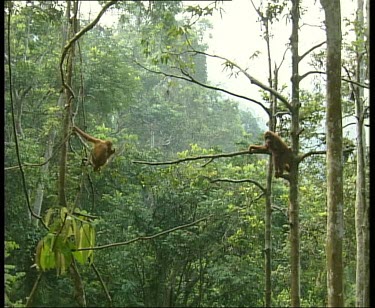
(131, 177)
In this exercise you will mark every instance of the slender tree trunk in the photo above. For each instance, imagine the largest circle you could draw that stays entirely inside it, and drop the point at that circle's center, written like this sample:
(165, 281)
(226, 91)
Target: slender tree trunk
(368, 37)
(43, 175)
(268, 199)
(361, 211)
(67, 107)
(18, 109)
(268, 193)
(293, 183)
(267, 236)
(79, 292)
(19, 97)
(71, 19)
(335, 226)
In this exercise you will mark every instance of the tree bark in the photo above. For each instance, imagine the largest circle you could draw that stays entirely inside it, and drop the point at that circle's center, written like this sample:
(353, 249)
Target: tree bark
(361, 210)
(335, 226)
(68, 100)
(268, 195)
(293, 175)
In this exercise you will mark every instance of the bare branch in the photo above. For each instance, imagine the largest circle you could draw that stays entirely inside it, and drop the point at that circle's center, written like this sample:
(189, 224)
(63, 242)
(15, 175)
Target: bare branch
(145, 238)
(257, 198)
(208, 162)
(282, 60)
(30, 298)
(346, 125)
(282, 210)
(189, 78)
(309, 73)
(259, 151)
(362, 85)
(251, 78)
(310, 50)
(240, 181)
(303, 156)
(77, 36)
(177, 161)
(43, 163)
(103, 284)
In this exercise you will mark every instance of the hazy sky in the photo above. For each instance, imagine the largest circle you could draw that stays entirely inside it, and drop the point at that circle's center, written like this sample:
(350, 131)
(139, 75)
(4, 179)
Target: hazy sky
(236, 35)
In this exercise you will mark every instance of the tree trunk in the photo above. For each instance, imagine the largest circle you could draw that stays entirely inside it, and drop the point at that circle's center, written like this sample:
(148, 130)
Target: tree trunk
(335, 226)
(268, 196)
(361, 210)
(293, 182)
(367, 33)
(19, 97)
(68, 95)
(79, 292)
(37, 207)
(18, 118)
(67, 103)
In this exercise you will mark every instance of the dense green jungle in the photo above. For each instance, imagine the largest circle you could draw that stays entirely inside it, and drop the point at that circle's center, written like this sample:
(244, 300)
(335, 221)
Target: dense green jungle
(180, 213)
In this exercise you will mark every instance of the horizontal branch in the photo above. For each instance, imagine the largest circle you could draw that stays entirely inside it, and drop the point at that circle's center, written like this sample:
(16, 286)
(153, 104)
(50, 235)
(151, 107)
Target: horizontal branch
(43, 163)
(309, 73)
(144, 238)
(177, 161)
(362, 85)
(240, 181)
(260, 151)
(303, 156)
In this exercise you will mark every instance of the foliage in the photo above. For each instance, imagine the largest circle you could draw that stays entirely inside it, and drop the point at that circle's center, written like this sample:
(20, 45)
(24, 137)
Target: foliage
(67, 232)
(149, 117)
(12, 277)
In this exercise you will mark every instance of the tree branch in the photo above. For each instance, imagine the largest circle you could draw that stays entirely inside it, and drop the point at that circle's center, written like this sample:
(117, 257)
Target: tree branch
(43, 163)
(252, 79)
(189, 78)
(23, 178)
(103, 284)
(310, 50)
(76, 37)
(303, 156)
(309, 73)
(346, 125)
(32, 293)
(145, 238)
(281, 62)
(283, 211)
(362, 85)
(240, 181)
(177, 161)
